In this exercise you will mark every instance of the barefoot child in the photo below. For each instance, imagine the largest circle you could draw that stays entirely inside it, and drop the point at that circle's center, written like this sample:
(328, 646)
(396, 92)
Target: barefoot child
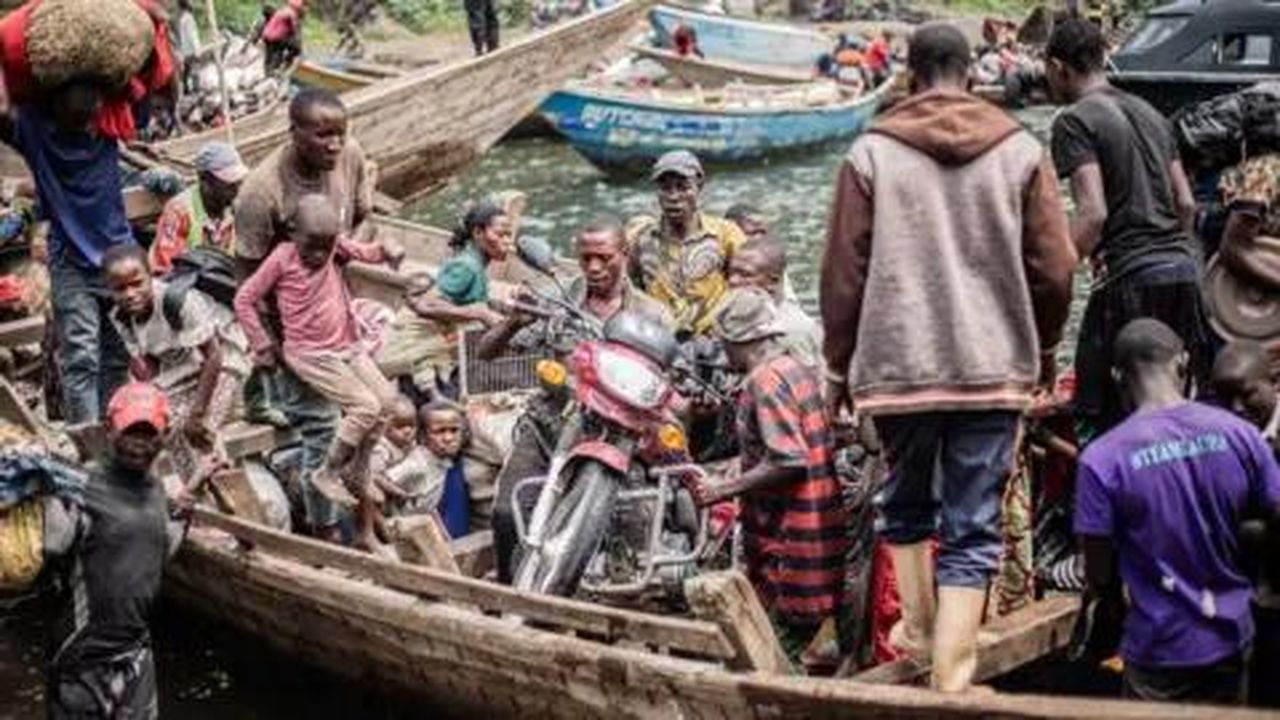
(400, 467)
(321, 343)
(445, 433)
(198, 357)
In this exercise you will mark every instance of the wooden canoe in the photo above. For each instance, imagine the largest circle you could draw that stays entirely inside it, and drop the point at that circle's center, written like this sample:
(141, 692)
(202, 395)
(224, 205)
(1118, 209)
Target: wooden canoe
(740, 40)
(341, 77)
(627, 128)
(718, 73)
(486, 650)
(425, 127)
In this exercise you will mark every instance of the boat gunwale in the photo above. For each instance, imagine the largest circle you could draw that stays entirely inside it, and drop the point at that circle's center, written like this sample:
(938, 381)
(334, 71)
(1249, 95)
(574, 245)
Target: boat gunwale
(642, 672)
(775, 27)
(1194, 76)
(780, 75)
(657, 104)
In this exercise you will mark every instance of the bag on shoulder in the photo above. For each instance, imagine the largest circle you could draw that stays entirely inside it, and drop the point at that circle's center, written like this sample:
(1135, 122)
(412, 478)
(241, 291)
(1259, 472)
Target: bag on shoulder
(1222, 131)
(210, 271)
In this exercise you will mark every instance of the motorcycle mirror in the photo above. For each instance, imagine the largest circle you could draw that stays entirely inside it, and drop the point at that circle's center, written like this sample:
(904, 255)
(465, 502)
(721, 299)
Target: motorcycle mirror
(537, 254)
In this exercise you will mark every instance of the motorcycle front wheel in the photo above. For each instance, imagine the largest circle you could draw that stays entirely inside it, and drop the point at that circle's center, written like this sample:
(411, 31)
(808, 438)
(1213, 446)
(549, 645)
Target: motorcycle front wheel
(575, 530)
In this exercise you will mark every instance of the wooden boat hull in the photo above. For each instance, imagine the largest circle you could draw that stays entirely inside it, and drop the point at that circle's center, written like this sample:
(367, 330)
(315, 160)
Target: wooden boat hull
(721, 37)
(470, 653)
(717, 73)
(424, 128)
(617, 131)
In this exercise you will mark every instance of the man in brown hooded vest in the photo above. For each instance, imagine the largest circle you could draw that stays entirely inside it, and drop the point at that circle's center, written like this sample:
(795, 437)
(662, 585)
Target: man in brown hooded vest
(945, 286)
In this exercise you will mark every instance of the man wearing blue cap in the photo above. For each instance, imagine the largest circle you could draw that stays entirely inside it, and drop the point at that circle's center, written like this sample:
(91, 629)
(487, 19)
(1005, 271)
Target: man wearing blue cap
(201, 216)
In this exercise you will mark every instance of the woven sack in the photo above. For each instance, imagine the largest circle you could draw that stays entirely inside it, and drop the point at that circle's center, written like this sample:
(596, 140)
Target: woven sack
(108, 40)
(21, 544)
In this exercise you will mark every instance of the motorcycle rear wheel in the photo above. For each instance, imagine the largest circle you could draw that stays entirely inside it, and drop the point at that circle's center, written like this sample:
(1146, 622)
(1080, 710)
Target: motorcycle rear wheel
(575, 530)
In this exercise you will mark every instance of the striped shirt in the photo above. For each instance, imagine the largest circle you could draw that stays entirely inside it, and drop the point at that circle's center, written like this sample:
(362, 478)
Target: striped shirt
(796, 537)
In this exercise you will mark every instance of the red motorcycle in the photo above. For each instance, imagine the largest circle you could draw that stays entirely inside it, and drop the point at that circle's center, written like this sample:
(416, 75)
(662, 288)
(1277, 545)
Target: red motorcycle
(613, 516)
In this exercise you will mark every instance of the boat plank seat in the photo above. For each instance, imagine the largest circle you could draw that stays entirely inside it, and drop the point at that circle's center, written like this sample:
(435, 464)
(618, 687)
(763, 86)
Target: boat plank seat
(14, 410)
(474, 553)
(241, 439)
(695, 638)
(23, 331)
(421, 540)
(727, 599)
(1004, 644)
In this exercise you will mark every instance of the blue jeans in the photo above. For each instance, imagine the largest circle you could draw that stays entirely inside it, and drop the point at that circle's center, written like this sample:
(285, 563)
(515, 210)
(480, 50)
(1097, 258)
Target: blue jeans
(316, 420)
(91, 355)
(947, 475)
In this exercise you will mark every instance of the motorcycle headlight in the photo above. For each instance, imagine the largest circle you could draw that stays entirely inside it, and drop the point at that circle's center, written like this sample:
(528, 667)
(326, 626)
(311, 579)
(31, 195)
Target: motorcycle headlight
(631, 379)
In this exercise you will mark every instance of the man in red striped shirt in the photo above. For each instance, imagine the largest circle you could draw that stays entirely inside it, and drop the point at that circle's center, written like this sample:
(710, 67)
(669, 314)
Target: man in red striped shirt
(794, 524)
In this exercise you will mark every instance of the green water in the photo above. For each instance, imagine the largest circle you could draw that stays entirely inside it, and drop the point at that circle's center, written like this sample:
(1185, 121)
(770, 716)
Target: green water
(565, 192)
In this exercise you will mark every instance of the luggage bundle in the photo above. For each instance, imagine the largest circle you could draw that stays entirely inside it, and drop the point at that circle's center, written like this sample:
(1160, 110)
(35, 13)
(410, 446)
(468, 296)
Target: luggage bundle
(28, 480)
(1224, 130)
(108, 40)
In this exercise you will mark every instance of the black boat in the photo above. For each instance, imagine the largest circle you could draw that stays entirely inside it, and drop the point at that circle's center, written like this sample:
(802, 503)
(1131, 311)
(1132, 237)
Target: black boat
(1190, 51)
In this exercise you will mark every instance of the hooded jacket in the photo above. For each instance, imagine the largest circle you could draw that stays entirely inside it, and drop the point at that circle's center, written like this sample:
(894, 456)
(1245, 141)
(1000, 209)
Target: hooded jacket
(948, 222)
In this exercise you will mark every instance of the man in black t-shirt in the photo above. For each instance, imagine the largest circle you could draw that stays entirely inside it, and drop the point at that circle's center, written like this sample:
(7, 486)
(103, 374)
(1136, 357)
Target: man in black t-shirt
(1133, 219)
(108, 554)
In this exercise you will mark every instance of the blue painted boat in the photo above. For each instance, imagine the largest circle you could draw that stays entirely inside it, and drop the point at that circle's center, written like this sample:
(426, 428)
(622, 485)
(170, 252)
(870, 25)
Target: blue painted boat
(624, 128)
(721, 37)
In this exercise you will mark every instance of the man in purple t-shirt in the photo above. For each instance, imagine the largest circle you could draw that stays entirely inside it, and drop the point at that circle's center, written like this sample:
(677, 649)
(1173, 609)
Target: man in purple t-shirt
(1163, 496)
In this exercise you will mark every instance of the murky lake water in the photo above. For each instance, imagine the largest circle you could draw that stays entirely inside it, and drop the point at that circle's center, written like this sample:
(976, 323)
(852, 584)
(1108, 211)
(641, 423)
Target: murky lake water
(565, 192)
(207, 671)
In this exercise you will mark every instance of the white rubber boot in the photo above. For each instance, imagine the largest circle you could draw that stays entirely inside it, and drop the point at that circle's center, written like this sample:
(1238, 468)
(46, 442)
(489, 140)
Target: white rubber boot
(955, 637)
(913, 569)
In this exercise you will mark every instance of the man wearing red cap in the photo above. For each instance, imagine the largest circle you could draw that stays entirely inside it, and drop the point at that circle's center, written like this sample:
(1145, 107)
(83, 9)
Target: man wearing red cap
(108, 553)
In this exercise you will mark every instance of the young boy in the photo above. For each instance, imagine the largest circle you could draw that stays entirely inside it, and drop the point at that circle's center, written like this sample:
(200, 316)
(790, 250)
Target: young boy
(200, 360)
(762, 263)
(1242, 382)
(444, 431)
(321, 344)
(400, 467)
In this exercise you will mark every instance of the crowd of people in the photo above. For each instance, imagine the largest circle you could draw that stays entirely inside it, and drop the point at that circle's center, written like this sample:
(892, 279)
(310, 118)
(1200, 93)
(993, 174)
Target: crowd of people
(944, 293)
(948, 218)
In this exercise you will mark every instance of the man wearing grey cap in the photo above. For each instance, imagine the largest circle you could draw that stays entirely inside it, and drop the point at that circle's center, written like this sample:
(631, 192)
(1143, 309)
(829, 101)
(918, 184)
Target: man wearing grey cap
(201, 215)
(681, 257)
(795, 529)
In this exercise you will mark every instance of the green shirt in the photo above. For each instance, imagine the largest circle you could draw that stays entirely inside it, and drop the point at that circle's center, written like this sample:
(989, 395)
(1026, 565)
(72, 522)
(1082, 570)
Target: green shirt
(462, 279)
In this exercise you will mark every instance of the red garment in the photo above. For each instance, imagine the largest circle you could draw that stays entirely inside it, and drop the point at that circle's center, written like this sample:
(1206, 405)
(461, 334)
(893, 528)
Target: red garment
(281, 26)
(18, 80)
(315, 305)
(886, 605)
(685, 40)
(12, 289)
(877, 55)
(115, 117)
(795, 537)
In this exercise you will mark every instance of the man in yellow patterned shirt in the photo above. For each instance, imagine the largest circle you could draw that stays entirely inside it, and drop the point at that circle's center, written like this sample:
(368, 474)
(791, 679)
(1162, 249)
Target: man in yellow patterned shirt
(681, 257)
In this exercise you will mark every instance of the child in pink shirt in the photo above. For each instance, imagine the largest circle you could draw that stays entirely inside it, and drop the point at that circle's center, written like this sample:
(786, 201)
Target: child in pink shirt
(321, 344)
